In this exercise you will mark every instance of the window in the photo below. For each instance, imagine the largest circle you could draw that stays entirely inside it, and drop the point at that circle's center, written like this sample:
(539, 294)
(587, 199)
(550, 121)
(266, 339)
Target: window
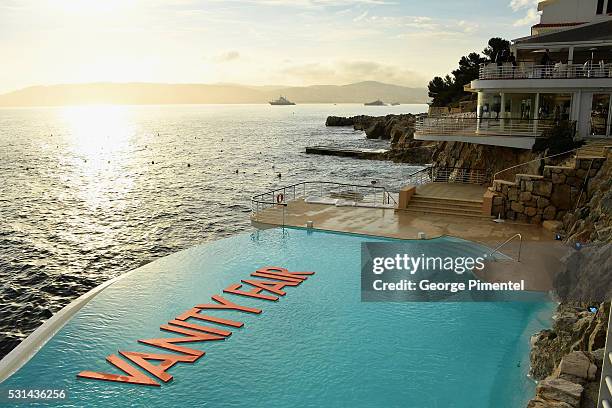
(609, 8)
(600, 4)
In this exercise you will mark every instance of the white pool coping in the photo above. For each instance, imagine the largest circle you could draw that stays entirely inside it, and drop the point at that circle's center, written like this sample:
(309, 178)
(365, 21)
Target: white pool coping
(32, 344)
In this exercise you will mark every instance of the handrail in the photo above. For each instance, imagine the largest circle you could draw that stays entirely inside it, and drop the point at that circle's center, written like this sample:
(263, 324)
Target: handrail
(605, 389)
(278, 196)
(530, 70)
(533, 161)
(483, 126)
(497, 248)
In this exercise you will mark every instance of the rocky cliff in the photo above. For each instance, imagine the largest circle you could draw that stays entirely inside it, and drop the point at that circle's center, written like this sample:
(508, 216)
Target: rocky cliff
(399, 129)
(567, 358)
(472, 156)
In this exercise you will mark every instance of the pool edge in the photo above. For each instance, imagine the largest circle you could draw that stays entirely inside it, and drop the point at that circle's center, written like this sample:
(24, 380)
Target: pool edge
(34, 342)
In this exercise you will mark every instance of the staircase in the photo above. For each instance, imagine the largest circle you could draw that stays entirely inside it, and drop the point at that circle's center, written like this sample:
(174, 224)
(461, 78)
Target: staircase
(446, 206)
(593, 148)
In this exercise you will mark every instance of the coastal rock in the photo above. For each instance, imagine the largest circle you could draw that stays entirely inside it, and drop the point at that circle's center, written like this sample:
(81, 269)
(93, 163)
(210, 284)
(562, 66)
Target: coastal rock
(538, 402)
(574, 329)
(339, 121)
(560, 390)
(577, 367)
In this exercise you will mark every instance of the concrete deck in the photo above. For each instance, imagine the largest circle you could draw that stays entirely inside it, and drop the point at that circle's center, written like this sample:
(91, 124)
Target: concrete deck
(396, 224)
(539, 258)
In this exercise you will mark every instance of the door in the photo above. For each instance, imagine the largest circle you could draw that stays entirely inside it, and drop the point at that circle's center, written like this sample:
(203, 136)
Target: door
(600, 115)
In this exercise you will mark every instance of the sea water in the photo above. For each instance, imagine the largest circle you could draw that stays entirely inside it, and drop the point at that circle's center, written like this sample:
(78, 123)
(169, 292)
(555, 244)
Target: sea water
(88, 193)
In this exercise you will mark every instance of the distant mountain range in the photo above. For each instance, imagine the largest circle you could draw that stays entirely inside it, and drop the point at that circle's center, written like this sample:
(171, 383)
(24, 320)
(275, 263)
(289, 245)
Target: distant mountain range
(151, 93)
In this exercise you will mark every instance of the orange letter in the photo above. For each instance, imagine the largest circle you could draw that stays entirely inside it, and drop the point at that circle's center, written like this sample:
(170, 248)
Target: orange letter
(167, 361)
(206, 329)
(274, 287)
(226, 304)
(254, 293)
(195, 313)
(134, 376)
(169, 343)
(275, 270)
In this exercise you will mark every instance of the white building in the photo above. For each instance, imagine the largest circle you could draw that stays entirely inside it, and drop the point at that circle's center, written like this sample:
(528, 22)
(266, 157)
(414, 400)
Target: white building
(563, 72)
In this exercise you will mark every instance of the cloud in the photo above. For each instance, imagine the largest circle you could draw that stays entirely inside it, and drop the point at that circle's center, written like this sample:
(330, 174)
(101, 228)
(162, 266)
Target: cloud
(343, 72)
(517, 5)
(532, 17)
(361, 16)
(228, 56)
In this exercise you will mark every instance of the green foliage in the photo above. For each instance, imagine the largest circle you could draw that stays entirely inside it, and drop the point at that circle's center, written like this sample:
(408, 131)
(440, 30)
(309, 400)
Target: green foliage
(449, 90)
(495, 46)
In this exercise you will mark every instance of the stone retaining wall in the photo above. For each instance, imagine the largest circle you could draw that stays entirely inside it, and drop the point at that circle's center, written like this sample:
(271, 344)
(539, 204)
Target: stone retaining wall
(534, 199)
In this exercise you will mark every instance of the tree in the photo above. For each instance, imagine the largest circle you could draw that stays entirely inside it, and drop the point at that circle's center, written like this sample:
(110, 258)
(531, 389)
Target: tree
(449, 90)
(496, 45)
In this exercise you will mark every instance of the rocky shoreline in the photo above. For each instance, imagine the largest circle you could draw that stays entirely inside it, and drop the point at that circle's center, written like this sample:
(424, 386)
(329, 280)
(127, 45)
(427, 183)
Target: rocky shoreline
(567, 358)
(399, 130)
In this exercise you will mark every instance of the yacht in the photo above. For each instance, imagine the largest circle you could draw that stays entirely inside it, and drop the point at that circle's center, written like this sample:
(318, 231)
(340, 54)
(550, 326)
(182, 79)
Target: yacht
(282, 101)
(377, 102)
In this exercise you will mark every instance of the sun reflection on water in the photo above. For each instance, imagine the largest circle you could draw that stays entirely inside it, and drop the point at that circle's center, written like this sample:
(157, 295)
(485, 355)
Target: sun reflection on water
(100, 140)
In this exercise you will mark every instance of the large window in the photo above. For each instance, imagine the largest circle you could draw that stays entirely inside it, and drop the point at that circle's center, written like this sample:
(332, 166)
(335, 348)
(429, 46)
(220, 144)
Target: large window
(600, 115)
(600, 4)
(489, 105)
(519, 106)
(555, 106)
(609, 8)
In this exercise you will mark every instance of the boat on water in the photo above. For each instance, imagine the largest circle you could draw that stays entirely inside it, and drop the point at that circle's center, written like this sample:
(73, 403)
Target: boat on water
(395, 104)
(377, 102)
(282, 101)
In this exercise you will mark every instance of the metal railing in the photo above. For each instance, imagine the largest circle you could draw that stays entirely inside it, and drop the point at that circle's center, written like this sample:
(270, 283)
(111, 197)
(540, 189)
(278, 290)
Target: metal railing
(321, 189)
(534, 167)
(605, 384)
(436, 174)
(458, 126)
(423, 176)
(500, 246)
(528, 70)
(459, 175)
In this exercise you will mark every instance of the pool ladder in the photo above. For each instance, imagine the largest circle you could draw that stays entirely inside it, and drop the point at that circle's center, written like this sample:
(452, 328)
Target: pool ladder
(518, 258)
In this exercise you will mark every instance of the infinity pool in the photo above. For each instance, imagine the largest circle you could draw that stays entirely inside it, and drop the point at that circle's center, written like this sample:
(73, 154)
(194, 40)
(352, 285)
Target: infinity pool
(318, 346)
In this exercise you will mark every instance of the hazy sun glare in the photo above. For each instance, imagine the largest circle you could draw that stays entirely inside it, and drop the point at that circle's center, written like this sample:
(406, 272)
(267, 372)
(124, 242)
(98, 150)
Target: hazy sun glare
(100, 138)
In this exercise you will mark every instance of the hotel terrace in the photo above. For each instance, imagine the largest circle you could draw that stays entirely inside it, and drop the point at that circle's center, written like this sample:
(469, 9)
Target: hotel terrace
(518, 102)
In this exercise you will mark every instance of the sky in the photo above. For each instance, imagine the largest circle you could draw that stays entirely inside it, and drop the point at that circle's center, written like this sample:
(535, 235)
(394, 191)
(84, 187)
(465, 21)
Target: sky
(255, 42)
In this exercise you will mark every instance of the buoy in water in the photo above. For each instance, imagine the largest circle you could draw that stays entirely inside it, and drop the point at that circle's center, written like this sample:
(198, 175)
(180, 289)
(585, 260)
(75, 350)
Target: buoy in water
(188, 165)
(236, 171)
(279, 175)
(152, 162)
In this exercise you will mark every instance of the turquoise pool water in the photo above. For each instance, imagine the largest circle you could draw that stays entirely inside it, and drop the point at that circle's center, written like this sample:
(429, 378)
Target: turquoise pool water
(319, 346)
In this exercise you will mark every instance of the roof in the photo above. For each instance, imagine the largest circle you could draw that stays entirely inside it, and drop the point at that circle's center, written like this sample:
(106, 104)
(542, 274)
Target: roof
(587, 32)
(558, 25)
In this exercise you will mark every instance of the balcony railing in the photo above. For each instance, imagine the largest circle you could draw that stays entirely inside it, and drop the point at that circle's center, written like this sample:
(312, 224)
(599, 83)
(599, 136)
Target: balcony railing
(526, 70)
(456, 126)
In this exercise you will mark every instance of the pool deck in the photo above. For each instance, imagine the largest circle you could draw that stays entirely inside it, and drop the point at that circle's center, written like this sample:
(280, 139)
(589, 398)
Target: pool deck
(540, 253)
(395, 224)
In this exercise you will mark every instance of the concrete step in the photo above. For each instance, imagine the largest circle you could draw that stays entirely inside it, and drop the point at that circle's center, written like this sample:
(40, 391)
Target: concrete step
(446, 201)
(446, 208)
(448, 213)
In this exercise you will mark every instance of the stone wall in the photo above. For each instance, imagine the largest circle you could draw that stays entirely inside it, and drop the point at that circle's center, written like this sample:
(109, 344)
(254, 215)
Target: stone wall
(534, 199)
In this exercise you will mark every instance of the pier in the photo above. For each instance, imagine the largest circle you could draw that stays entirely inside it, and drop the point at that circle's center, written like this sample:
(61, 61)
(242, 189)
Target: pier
(344, 152)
